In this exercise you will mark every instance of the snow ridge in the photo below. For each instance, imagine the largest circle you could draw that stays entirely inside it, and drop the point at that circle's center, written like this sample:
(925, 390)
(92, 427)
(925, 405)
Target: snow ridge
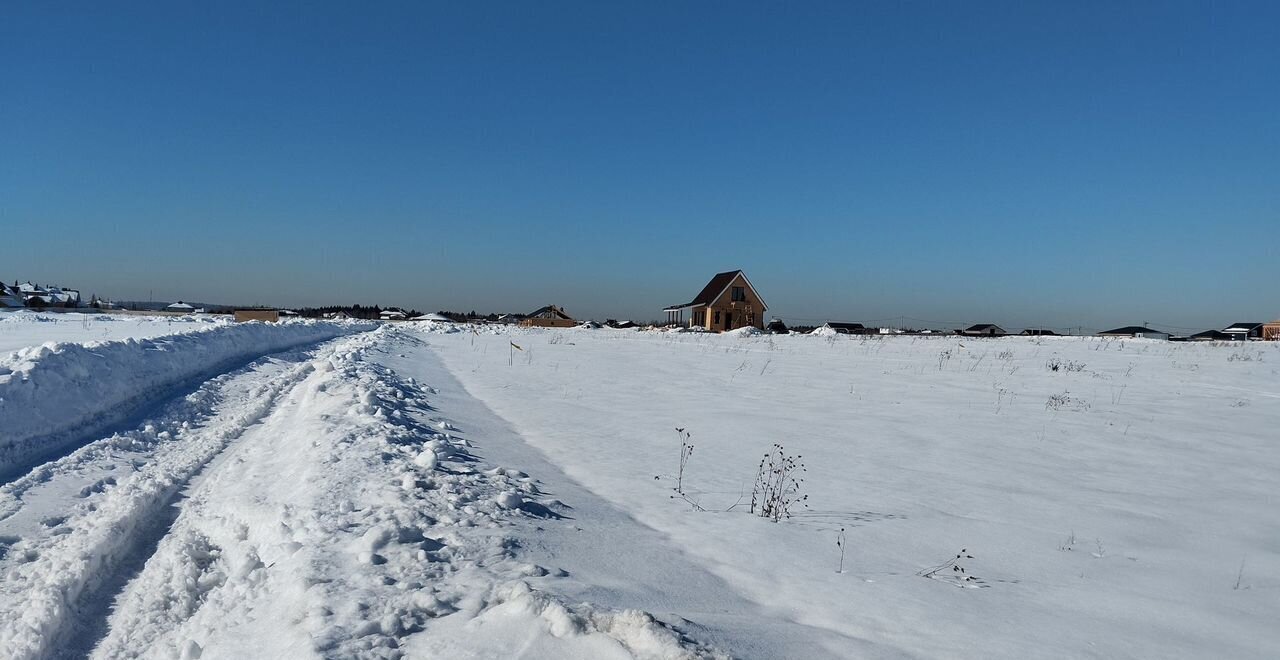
(53, 396)
(54, 574)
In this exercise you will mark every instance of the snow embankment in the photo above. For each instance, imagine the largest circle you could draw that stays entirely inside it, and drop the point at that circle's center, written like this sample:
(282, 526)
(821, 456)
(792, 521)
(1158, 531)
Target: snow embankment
(54, 395)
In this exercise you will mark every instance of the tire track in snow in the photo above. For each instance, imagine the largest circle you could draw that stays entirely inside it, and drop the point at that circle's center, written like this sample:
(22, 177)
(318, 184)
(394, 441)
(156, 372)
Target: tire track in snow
(351, 523)
(57, 586)
(54, 398)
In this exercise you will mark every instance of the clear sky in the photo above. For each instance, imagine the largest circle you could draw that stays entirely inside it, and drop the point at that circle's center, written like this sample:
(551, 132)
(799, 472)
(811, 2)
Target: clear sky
(1083, 163)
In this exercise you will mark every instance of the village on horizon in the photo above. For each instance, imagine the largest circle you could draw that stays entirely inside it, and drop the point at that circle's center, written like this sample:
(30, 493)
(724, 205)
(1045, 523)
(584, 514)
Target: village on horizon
(727, 302)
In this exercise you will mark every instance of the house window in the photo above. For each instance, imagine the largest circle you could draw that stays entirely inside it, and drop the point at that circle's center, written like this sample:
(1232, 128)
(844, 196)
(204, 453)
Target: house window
(739, 294)
(717, 321)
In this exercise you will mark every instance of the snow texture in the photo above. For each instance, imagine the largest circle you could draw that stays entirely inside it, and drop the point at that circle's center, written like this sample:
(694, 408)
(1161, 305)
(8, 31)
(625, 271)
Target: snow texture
(309, 490)
(54, 394)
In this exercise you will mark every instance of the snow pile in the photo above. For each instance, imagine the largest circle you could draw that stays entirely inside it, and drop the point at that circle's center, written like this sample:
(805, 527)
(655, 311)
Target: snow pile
(520, 621)
(824, 331)
(52, 396)
(745, 331)
(442, 327)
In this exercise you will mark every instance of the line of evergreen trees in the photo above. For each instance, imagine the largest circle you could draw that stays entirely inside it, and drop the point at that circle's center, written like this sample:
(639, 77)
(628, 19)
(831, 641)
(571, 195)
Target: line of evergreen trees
(354, 311)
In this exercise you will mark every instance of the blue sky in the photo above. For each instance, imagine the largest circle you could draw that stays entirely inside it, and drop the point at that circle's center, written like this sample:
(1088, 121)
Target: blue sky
(1067, 164)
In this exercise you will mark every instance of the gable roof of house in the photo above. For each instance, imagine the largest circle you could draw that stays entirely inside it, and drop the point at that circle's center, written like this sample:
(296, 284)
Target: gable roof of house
(1133, 330)
(983, 327)
(180, 305)
(840, 325)
(549, 312)
(1246, 326)
(1211, 334)
(716, 288)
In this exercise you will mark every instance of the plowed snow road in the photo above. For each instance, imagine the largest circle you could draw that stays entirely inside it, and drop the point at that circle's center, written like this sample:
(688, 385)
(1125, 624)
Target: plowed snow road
(327, 502)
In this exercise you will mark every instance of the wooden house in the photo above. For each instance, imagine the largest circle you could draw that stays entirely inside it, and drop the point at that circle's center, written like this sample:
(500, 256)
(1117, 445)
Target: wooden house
(264, 315)
(548, 317)
(727, 302)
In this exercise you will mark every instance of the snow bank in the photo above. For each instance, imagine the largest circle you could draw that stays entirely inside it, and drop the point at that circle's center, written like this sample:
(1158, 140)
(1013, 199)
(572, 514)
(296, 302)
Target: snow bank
(55, 394)
(25, 328)
(436, 326)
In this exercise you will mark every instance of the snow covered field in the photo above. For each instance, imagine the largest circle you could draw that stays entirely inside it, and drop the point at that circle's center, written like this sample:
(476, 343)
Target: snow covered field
(23, 328)
(421, 490)
(1109, 505)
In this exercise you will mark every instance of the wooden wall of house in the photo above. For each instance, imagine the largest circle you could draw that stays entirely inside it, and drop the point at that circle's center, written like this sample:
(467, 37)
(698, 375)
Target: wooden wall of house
(548, 323)
(724, 304)
(268, 315)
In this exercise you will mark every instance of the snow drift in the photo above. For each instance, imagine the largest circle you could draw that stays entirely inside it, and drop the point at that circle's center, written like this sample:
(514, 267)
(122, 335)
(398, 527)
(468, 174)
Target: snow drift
(55, 394)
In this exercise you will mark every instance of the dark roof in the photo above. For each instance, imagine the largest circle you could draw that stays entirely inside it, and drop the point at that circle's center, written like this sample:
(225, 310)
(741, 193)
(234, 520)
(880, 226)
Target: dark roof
(1211, 334)
(840, 325)
(982, 326)
(715, 287)
(1039, 331)
(1246, 325)
(1132, 330)
(550, 311)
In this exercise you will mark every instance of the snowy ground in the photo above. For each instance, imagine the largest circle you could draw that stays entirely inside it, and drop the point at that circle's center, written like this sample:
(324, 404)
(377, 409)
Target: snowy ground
(23, 328)
(335, 490)
(1113, 523)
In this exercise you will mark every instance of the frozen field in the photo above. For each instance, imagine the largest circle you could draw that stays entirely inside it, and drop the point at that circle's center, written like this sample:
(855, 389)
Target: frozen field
(350, 490)
(19, 329)
(1108, 505)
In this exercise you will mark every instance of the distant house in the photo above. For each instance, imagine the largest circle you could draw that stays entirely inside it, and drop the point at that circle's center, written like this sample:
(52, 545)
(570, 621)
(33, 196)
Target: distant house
(1039, 332)
(777, 327)
(727, 302)
(1244, 330)
(433, 316)
(846, 328)
(1210, 335)
(10, 296)
(548, 317)
(264, 315)
(984, 330)
(622, 325)
(34, 295)
(337, 316)
(393, 315)
(180, 307)
(1135, 331)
